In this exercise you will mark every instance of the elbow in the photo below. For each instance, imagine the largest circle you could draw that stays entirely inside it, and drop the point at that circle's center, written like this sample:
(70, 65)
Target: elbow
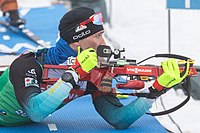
(35, 112)
(121, 124)
(118, 121)
(35, 117)
(121, 127)
(36, 120)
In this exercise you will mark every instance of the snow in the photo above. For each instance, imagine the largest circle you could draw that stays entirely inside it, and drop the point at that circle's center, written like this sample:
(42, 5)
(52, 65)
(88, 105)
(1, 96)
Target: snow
(141, 26)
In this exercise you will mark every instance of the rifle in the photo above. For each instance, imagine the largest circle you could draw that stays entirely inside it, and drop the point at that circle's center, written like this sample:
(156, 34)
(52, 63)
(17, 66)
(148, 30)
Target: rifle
(135, 73)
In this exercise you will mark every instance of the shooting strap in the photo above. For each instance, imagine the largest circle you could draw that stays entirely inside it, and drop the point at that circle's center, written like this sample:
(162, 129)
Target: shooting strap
(187, 87)
(40, 55)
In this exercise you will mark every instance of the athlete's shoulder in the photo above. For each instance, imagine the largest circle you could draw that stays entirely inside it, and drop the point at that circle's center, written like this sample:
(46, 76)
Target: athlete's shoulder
(25, 58)
(25, 61)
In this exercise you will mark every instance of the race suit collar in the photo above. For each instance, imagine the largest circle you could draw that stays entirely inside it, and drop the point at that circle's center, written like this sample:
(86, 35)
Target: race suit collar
(60, 53)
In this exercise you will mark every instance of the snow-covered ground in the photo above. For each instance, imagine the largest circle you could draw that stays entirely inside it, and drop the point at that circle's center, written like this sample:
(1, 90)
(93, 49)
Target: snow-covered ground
(141, 26)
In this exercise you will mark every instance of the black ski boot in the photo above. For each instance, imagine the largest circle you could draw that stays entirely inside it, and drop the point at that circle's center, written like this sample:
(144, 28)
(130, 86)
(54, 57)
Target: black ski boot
(12, 17)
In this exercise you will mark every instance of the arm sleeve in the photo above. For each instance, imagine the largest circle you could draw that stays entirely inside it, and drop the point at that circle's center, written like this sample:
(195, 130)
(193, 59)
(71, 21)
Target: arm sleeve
(26, 75)
(114, 112)
(118, 115)
(41, 105)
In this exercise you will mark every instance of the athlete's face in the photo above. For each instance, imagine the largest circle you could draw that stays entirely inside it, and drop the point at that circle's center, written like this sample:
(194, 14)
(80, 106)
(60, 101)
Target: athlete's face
(93, 41)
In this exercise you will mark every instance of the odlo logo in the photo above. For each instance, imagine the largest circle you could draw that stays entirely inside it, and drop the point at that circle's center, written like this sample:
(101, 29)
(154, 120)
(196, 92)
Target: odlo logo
(82, 34)
(85, 59)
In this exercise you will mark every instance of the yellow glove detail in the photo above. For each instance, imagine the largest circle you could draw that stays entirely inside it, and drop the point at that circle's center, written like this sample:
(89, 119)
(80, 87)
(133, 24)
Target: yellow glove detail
(87, 59)
(171, 73)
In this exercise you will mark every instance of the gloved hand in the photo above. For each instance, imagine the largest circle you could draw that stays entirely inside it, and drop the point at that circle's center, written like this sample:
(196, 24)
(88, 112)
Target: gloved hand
(85, 61)
(171, 75)
(106, 83)
(106, 86)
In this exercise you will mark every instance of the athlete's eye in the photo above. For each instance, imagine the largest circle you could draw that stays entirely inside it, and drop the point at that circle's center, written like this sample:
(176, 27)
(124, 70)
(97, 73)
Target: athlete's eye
(98, 36)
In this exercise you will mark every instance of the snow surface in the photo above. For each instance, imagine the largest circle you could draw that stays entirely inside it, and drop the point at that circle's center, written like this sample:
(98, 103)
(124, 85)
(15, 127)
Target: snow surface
(141, 26)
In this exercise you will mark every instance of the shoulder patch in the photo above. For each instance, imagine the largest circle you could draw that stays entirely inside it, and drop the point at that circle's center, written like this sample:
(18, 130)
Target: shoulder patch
(30, 82)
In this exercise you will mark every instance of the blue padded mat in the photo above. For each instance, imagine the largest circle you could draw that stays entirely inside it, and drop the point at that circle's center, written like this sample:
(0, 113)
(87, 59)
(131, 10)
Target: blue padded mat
(80, 116)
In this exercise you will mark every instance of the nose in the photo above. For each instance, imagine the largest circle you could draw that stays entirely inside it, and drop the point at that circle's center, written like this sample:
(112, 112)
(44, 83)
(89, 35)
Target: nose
(102, 42)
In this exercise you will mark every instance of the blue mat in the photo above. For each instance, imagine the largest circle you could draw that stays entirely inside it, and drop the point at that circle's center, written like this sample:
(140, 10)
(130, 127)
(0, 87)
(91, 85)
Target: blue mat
(79, 115)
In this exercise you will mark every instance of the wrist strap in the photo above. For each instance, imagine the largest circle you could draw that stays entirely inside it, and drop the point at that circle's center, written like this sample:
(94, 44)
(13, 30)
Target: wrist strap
(77, 68)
